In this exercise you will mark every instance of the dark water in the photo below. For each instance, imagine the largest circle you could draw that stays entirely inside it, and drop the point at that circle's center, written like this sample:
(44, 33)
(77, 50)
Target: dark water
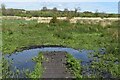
(23, 60)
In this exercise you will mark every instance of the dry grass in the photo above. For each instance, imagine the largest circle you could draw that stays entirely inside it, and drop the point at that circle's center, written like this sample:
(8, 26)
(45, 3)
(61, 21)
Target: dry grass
(85, 20)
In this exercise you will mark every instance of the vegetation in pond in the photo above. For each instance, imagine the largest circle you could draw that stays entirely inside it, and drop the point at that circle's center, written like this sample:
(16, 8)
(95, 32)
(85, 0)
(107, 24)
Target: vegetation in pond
(74, 66)
(38, 69)
(105, 64)
(5, 69)
(7, 72)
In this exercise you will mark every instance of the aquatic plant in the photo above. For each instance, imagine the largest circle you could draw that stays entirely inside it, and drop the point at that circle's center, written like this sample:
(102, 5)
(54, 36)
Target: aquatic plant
(6, 72)
(74, 66)
(38, 69)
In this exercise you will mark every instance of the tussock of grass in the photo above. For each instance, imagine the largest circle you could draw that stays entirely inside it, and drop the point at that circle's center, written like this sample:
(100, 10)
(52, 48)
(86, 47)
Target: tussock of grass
(38, 69)
(74, 66)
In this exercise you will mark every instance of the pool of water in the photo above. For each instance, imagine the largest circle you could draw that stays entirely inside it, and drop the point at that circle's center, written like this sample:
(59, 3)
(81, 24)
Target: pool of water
(23, 60)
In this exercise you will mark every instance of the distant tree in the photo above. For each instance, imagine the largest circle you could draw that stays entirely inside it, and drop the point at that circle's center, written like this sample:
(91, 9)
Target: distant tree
(44, 9)
(110, 15)
(54, 9)
(3, 9)
(87, 12)
(66, 10)
(103, 14)
(76, 11)
(10, 12)
(27, 12)
(96, 13)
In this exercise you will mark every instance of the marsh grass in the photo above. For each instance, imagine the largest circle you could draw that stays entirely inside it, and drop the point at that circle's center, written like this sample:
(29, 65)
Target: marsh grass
(106, 63)
(38, 69)
(6, 72)
(21, 33)
(74, 66)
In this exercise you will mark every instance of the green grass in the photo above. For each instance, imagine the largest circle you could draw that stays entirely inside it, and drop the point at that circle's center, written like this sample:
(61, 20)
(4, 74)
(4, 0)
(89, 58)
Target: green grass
(38, 69)
(0, 47)
(6, 73)
(0, 71)
(107, 63)
(74, 66)
(20, 33)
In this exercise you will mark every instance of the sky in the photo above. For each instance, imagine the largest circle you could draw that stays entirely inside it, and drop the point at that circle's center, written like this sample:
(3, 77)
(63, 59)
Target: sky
(60, 0)
(107, 6)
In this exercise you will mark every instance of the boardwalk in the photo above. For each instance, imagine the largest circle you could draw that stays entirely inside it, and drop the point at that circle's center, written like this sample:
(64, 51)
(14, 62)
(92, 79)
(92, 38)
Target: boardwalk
(55, 65)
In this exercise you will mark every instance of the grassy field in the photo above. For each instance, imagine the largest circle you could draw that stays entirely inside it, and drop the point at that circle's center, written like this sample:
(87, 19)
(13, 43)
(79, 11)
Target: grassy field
(20, 33)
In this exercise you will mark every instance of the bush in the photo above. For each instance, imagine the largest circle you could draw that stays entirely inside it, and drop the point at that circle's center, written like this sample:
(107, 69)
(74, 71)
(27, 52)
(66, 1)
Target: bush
(28, 15)
(54, 20)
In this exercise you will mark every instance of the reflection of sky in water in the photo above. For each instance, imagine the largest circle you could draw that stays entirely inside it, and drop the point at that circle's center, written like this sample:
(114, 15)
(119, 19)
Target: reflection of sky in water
(111, 7)
(23, 60)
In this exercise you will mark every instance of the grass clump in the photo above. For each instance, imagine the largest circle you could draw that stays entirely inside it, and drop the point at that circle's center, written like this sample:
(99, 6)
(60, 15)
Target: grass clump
(5, 69)
(54, 21)
(107, 63)
(6, 72)
(74, 66)
(38, 70)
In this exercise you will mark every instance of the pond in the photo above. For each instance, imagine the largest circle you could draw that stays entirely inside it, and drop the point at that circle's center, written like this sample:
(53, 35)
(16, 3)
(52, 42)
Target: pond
(23, 60)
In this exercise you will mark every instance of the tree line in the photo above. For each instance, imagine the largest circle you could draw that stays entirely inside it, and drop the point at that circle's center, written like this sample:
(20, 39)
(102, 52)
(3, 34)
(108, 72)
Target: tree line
(45, 12)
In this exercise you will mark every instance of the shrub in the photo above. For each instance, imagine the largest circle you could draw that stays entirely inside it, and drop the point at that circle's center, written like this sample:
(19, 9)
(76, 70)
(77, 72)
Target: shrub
(54, 20)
